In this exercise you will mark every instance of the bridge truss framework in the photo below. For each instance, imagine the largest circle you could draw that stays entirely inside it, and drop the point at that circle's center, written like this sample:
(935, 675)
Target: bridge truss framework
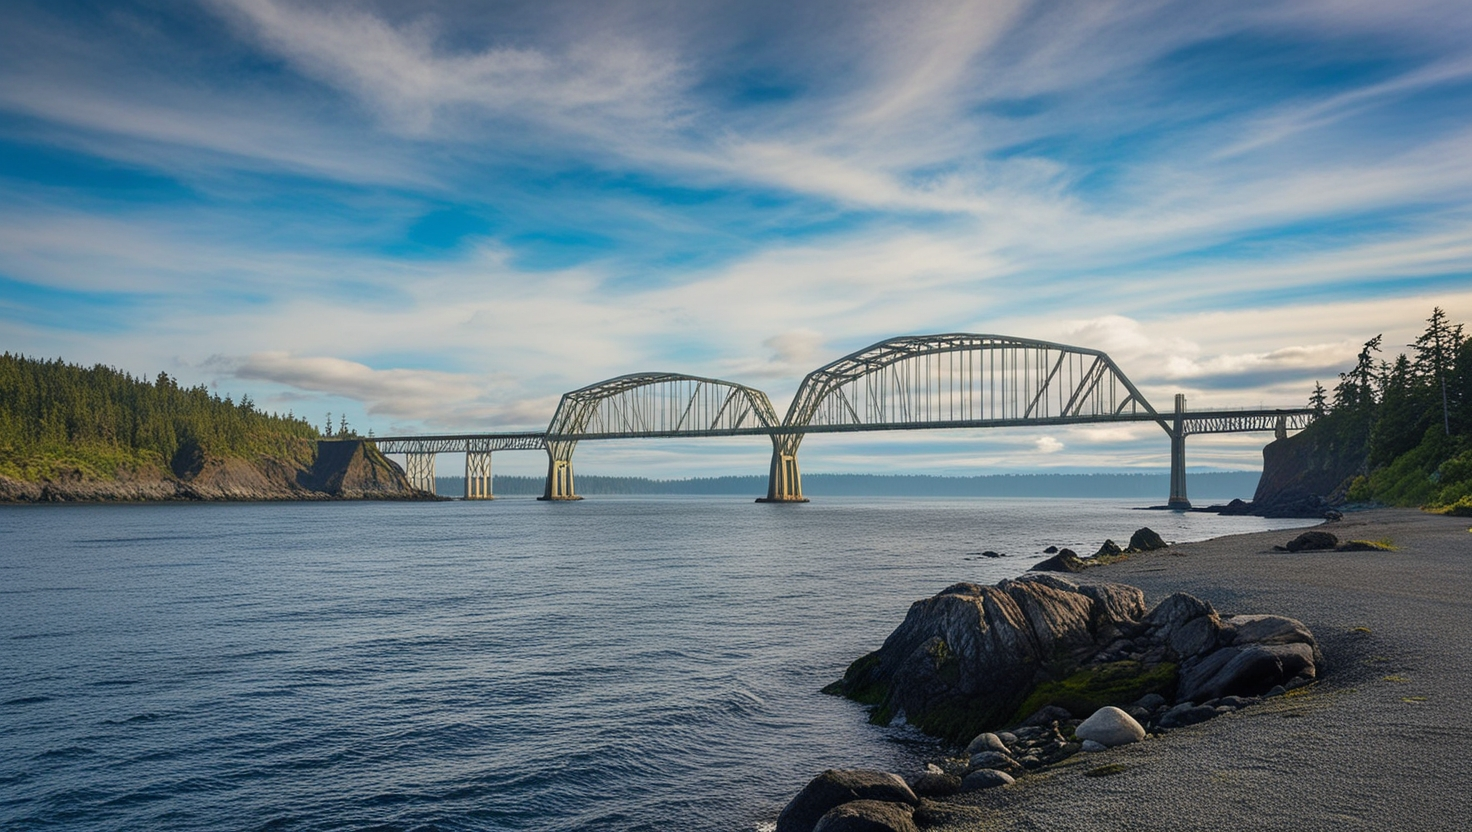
(955, 380)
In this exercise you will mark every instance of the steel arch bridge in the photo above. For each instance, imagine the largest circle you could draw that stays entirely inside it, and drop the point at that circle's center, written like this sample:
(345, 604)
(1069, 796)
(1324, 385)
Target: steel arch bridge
(955, 380)
(649, 405)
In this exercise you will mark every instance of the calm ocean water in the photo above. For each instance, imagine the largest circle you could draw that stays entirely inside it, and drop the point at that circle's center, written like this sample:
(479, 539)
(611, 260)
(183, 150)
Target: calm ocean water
(616, 664)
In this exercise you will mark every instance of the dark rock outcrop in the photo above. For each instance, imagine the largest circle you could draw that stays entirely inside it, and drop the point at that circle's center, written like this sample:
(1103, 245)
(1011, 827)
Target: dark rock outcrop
(355, 470)
(836, 787)
(1301, 473)
(1146, 540)
(1108, 550)
(970, 658)
(964, 660)
(1312, 540)
(1064, 561)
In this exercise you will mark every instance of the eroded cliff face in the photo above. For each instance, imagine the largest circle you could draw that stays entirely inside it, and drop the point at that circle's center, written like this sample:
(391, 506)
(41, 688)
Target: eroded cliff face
(1304, 474)
(356, 470)
(345, 470)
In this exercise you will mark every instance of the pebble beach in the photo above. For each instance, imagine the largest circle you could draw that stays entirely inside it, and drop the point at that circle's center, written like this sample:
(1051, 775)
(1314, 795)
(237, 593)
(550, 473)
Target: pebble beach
(1378, 743)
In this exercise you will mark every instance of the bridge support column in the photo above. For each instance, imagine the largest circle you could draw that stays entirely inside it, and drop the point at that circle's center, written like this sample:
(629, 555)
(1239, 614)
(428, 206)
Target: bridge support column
(784, 484)
(419, 469)
(1178, 498)
(559, 472)
(477, 475)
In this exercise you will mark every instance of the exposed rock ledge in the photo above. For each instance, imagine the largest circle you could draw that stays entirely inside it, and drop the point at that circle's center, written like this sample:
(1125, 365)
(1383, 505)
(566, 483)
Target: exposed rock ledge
(342, 470)
(976, 657)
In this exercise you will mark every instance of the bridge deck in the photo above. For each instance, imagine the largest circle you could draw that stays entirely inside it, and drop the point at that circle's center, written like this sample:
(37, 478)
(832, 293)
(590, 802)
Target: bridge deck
(1194, 422)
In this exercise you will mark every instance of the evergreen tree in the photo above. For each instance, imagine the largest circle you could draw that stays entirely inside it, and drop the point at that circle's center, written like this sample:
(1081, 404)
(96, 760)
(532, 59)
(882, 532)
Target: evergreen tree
(1319, 400)
(1434, 352)
(99, 417)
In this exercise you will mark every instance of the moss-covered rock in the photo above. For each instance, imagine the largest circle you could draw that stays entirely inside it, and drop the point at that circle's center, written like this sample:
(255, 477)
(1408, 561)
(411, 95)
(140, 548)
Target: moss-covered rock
(1088, 690)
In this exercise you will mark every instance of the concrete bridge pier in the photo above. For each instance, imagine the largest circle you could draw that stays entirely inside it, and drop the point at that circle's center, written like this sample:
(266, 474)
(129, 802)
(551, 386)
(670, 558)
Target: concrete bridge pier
(784, 483)
(1178, 498)
(478, 475)
(559, 472)
(419, 469)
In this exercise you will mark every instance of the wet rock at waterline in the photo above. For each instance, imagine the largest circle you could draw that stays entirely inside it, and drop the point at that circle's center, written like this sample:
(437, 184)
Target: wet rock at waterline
(1146, 540)
(836, 787)
(868, 816)
(1065, 561)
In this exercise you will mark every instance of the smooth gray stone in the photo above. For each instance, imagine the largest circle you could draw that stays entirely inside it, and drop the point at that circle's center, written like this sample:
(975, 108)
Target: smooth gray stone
(835, 787)
(986, 742)
(1109, 726)
(986, 778)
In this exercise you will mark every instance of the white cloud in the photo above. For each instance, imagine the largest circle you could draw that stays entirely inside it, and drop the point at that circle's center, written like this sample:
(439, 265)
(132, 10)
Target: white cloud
(409, 76)
(1047, 445)
(401, 393)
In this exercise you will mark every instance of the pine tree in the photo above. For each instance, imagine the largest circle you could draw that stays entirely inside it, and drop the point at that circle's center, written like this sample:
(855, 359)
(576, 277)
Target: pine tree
(1356, 388)
(1434, 352)
(1319, 401)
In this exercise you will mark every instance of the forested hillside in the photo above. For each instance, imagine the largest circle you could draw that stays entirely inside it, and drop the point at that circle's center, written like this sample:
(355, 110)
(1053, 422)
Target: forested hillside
(58, 417)
(1406, 423)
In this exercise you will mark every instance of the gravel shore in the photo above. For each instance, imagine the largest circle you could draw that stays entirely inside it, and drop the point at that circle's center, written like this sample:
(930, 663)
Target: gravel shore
(1383, 742)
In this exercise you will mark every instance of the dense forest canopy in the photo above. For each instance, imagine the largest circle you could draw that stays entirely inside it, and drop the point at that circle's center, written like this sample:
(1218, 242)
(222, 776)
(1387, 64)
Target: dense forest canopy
(55, 415)
(1412, 417)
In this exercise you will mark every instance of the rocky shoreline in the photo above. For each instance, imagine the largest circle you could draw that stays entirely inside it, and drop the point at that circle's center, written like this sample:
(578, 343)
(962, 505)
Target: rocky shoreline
(1010, 776)
(347, 469)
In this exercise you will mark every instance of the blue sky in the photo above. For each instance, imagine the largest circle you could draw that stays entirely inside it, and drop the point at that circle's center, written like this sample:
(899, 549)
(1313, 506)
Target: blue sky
(439, 216)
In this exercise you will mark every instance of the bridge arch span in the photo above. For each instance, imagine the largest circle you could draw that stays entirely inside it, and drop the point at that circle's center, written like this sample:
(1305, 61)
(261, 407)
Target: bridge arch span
(952, 380)
(648, 405)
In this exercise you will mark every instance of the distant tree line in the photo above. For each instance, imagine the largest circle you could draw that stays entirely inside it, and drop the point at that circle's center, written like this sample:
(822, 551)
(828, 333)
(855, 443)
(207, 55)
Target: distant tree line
(1410, 417)
(99, 416)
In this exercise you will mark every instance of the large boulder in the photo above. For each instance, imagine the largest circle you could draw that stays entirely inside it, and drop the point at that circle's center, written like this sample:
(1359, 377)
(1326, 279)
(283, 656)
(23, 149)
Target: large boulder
(1109, 726)
(964, 660)
(1146, 540)
(1261, 652)
(976, 657)
(836, 787)
(868, 816)
(1108, 550)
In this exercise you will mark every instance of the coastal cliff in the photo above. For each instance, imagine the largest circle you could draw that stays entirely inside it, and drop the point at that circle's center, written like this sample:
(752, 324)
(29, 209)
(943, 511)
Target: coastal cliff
(348, 469)
(1303, 475)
